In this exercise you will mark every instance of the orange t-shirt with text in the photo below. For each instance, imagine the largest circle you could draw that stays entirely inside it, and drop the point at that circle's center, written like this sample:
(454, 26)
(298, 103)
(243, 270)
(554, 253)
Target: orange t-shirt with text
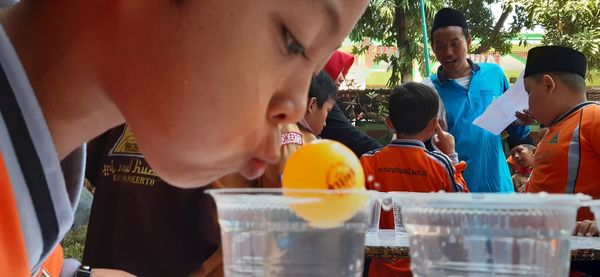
(406, 165)
(567, 160)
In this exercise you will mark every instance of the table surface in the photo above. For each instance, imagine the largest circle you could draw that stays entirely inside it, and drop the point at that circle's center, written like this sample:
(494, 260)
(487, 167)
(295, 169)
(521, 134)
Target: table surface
(385, 244)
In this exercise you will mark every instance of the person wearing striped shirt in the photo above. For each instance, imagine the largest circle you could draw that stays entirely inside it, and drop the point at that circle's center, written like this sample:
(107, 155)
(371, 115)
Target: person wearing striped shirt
(406, 165)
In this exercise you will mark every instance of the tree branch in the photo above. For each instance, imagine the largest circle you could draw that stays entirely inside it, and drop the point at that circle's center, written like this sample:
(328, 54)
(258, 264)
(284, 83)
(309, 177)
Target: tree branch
(486, 44)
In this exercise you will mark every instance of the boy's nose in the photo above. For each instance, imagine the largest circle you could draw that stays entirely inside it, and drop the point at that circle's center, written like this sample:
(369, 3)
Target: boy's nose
(289, 104)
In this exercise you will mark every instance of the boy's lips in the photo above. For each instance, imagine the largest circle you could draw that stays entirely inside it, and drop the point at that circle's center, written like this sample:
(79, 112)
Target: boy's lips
(254, 169)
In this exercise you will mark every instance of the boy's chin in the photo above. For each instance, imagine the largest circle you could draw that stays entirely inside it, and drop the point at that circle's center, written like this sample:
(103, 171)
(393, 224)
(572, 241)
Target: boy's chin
(254, 169)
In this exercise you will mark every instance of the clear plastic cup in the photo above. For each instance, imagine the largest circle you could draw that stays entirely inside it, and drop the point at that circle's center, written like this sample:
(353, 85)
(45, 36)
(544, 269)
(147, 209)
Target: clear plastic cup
(263, 233)
(399, 229)
(483, 234)
(375, 208)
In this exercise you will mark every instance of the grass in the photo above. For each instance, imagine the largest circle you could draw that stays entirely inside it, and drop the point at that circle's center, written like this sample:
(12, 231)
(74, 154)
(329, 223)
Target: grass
(74, 242)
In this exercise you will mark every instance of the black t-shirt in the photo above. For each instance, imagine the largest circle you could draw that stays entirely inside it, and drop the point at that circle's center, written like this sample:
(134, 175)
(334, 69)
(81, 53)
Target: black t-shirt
(338, 128)
(139, 223)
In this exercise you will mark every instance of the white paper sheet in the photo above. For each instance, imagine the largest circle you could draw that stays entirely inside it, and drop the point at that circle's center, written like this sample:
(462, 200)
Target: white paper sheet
(501, 112)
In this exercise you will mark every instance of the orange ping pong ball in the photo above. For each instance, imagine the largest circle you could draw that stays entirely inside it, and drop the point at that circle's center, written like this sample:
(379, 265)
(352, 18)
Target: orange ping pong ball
(329, 166)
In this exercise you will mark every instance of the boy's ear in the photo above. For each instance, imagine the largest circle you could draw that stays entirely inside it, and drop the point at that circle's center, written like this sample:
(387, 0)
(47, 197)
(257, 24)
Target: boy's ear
(388, 123)
(433, 123)
(549, 83)
(312, 104)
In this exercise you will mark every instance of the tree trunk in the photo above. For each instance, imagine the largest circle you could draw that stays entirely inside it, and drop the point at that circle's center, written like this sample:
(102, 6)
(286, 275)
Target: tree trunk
(401, 28)
(486, 44)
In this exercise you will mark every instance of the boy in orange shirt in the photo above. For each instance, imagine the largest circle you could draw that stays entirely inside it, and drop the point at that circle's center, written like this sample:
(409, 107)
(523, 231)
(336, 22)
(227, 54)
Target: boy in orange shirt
(406, 165)
(568, 157)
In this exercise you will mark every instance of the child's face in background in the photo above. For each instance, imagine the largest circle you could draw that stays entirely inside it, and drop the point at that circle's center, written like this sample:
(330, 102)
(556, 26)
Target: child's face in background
(523, 155)
(204, 85)
(316, 116)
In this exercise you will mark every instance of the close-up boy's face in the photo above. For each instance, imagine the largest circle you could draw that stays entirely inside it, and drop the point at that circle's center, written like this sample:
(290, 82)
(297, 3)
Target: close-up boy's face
(450, 47)
(214, 79)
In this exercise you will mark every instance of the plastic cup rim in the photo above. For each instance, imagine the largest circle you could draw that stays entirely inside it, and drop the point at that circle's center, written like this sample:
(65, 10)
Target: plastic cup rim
(501, 200)
(280, 191)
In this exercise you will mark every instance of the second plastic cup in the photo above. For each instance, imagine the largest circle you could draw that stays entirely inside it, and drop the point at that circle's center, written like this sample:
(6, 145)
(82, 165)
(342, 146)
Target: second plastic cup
(481, 234)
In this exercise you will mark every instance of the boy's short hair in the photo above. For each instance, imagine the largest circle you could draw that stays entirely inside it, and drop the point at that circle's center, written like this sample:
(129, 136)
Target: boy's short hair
(323, 88)
(573, 81)
(412, 106)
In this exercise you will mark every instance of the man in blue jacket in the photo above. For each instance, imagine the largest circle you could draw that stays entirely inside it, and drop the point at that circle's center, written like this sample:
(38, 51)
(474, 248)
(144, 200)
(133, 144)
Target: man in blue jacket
(466, 89)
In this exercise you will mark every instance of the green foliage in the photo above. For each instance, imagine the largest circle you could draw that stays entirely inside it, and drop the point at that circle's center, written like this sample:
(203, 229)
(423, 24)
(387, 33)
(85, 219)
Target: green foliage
(487, 29)
(397, 23)
(74, 242)
(372, 102)
(573, 23)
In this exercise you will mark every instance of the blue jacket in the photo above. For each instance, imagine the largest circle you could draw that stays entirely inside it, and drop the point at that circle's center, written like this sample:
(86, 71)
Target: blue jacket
(487, 170)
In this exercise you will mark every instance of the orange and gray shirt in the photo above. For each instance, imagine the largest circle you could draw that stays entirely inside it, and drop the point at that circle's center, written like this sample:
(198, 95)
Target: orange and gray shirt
(568, 157)
(406, 165)
(38, 195)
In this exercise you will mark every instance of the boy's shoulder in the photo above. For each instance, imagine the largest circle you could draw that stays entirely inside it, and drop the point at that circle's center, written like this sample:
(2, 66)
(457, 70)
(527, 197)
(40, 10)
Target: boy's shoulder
(439, 157)
(372, 152)
(591, 118)
(391, 151)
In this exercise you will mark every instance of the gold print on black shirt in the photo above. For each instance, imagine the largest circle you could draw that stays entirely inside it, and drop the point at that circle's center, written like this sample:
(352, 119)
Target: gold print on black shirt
(126, 145)
(134, 172)
(125, 163)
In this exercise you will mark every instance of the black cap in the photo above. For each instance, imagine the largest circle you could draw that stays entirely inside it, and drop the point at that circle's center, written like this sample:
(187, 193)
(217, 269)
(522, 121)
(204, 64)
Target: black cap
(448, 17)
(514, 141)
(544, 59)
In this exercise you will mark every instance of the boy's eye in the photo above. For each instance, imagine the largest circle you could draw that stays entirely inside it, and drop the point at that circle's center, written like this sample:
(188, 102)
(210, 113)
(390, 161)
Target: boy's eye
(293, 46)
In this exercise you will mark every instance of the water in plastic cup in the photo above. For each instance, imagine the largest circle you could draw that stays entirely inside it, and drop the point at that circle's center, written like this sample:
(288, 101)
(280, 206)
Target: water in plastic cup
(262, 236)
(398, 224)
(375, 207)
(399, 228)
(479, 234)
